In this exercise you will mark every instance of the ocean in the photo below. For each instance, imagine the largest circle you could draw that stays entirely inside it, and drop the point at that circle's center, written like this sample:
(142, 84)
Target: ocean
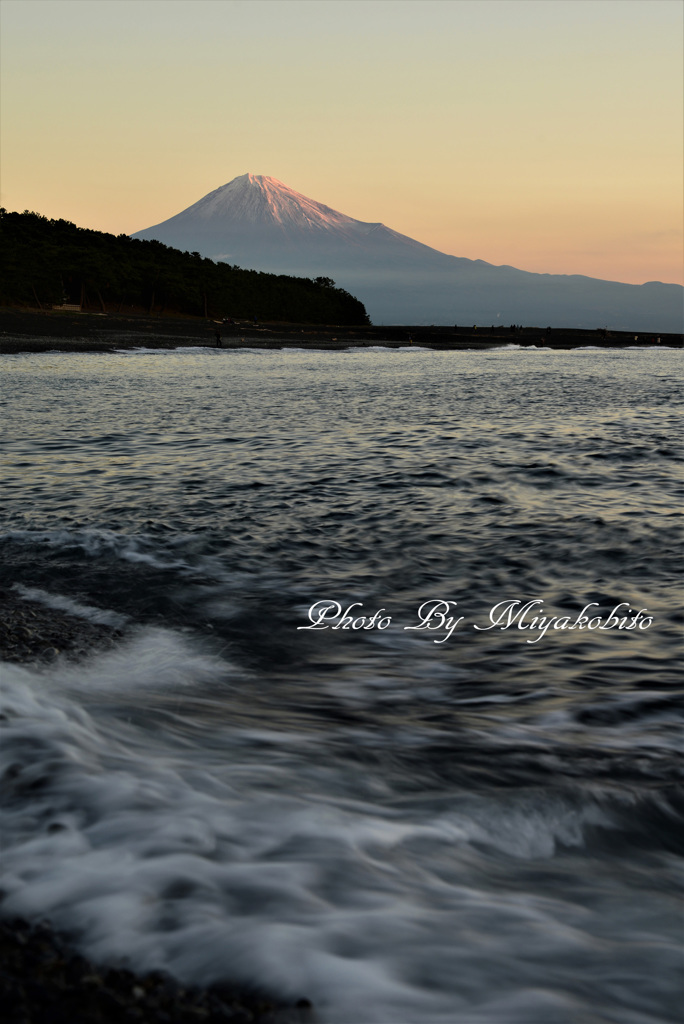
(395, 718)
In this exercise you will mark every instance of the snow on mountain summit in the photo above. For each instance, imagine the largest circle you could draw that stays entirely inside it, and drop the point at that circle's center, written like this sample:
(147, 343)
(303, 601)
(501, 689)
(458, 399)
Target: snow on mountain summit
(258, 221)
(259, 199)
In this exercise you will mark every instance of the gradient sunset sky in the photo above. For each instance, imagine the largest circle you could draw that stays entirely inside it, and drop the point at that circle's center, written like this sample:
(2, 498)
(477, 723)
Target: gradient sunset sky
(545, 134)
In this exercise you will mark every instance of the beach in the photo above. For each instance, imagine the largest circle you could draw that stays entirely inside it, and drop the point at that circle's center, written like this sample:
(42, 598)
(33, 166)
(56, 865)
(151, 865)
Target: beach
(42, 331)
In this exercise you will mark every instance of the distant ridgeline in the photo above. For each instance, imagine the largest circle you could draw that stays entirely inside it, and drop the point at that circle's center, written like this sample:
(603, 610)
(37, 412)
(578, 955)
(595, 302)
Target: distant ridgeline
(50, 262)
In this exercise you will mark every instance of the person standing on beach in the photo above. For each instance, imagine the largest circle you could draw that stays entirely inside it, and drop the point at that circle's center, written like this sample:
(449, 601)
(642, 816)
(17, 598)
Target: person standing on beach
(217, 335)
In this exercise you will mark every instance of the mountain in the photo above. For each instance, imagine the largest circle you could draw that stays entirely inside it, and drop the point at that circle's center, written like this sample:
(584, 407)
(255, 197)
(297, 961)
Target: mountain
(258, 222)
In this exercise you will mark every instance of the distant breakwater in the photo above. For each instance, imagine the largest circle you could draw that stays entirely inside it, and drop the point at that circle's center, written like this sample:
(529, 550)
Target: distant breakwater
(36, 331)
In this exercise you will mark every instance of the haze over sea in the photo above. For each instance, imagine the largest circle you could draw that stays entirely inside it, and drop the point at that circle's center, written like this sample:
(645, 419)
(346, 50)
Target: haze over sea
(404, 828)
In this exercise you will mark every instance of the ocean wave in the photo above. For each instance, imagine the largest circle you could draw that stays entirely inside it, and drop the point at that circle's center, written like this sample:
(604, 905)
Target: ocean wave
(227, 871)
(97, 542)
(99, 616)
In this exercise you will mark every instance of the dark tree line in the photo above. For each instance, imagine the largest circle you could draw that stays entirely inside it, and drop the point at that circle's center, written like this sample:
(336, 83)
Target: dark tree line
(47, 262)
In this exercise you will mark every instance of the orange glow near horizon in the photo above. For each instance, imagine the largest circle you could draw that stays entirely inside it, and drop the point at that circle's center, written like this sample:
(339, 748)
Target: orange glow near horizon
(544, 136)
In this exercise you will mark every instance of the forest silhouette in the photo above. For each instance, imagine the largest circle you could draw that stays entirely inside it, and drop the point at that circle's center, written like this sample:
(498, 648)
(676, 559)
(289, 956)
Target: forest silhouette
(47, 263)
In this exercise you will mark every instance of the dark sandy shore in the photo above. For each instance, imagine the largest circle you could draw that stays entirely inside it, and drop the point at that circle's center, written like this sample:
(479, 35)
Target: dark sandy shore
(42, 331)
(43, 980)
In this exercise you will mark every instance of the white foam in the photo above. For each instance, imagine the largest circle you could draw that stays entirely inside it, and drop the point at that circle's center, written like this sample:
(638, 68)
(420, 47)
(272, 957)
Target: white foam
(142, 351)
(152, 660)
(98, 615)
(225, 858)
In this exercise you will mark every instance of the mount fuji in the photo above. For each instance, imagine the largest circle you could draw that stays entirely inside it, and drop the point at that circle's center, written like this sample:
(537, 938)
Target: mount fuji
(259, 223)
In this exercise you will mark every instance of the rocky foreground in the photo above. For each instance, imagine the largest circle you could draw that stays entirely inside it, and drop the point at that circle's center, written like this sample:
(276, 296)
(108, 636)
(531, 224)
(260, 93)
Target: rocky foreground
(43, 980)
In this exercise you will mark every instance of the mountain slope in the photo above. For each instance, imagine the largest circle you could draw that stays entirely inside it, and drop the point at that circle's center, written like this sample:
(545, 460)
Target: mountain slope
(259, 222)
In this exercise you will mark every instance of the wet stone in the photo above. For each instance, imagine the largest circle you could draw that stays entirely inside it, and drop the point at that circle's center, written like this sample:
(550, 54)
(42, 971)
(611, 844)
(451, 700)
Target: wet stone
(31, 632)
(41, 982)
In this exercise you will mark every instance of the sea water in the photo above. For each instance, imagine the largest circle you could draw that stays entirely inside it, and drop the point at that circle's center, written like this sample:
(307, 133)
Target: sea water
(275, 777)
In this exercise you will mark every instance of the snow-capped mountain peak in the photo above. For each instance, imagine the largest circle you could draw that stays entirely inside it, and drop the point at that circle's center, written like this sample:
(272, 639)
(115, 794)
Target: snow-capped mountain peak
(259, 199)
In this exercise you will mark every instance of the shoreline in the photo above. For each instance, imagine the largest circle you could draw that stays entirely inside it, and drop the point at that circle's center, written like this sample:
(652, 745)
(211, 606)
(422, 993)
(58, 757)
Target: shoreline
(55, 330)
(44, 979)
